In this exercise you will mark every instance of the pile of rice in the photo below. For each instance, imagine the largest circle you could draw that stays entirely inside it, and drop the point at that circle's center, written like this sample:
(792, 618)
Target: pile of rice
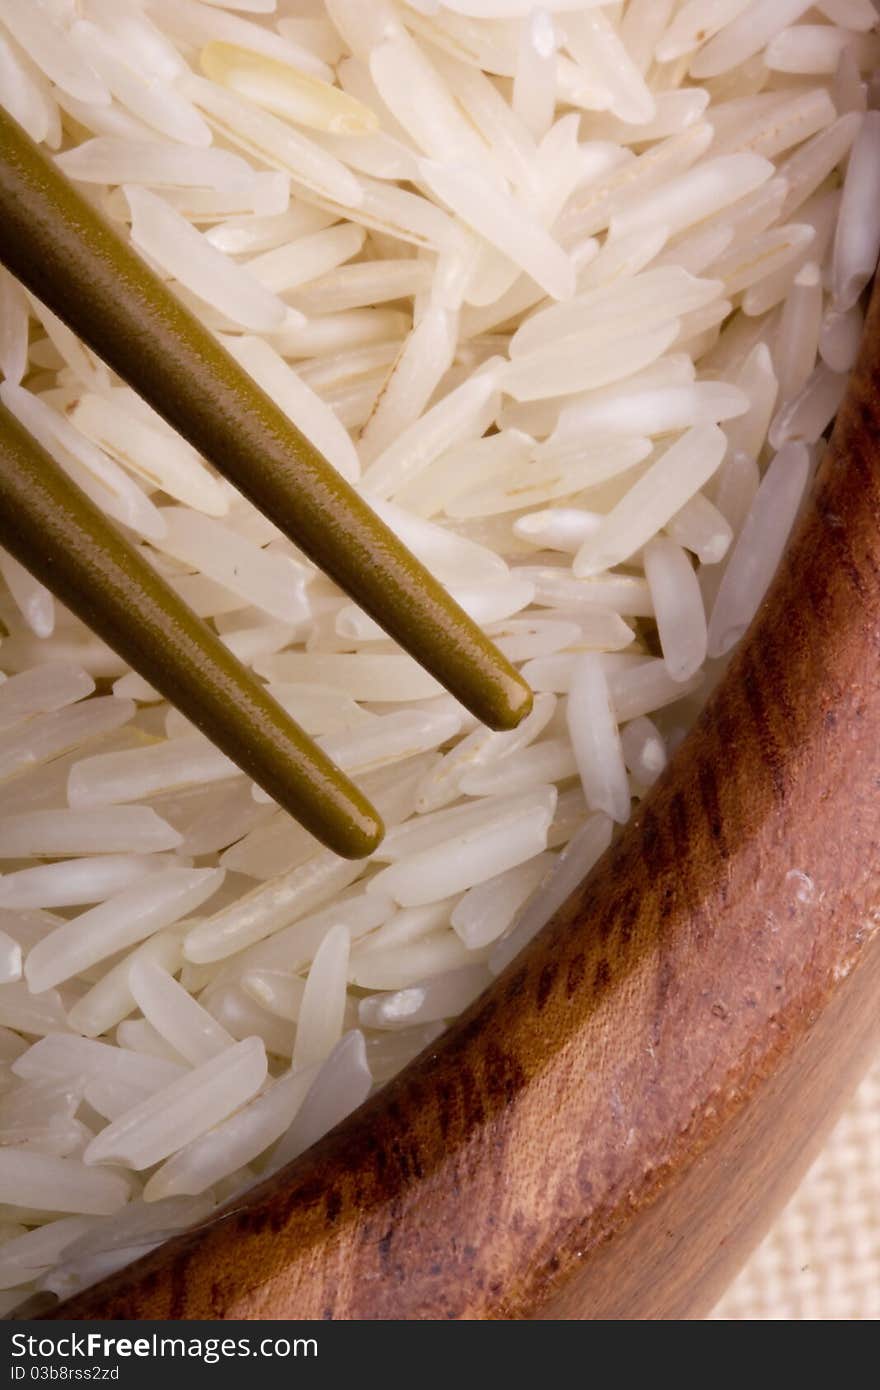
(571, 292)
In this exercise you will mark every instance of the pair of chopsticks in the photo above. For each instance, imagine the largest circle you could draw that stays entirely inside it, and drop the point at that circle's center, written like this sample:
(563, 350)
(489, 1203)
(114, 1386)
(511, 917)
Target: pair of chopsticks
(66, 254)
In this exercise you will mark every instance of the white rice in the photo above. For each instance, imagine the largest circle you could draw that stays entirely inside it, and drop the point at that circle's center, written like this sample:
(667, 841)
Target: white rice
(73, 882)
(701, 528)
(678, 606)
(571, 292)
(99, 476)
(41, 1181)
(340, 1085)
(644, 750)
(181, 1112)
(128, 917)
(858, 229)
(111, 999)
(761, 541)
(661, 491)
(322, 1007)
(178, 1018)
(10, 959)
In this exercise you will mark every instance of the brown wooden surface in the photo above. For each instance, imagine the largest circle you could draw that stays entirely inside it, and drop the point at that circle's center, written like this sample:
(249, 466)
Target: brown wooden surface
(610, 1130)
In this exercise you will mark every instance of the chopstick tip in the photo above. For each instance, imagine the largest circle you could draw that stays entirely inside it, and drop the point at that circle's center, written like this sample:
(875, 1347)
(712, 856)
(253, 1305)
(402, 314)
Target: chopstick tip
(507, 702)
(359, 839)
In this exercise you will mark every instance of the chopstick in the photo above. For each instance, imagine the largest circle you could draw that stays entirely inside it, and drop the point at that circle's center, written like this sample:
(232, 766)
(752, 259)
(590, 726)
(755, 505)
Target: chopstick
(66, 254)
(58, 533)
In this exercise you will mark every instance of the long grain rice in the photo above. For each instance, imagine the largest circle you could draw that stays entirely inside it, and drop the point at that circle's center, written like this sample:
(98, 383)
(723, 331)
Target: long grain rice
(571, 293)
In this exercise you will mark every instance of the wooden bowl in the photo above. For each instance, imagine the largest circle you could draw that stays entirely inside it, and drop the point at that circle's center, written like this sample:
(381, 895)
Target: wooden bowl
(611, 1128)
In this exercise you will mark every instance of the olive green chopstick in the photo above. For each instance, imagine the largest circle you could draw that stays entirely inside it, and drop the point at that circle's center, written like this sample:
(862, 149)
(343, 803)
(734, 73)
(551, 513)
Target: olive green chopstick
(58, 533)
(69, 256)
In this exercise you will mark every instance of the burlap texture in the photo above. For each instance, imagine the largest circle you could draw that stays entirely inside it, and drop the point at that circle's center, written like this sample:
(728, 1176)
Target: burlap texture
(821, 1261)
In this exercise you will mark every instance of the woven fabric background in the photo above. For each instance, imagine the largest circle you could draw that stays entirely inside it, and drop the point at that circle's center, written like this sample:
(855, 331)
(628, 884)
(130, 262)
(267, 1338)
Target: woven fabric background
(821, 1261)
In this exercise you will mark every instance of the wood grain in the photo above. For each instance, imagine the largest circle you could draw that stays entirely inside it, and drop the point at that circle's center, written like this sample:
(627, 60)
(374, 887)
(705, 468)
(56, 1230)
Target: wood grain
(609, 1131)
